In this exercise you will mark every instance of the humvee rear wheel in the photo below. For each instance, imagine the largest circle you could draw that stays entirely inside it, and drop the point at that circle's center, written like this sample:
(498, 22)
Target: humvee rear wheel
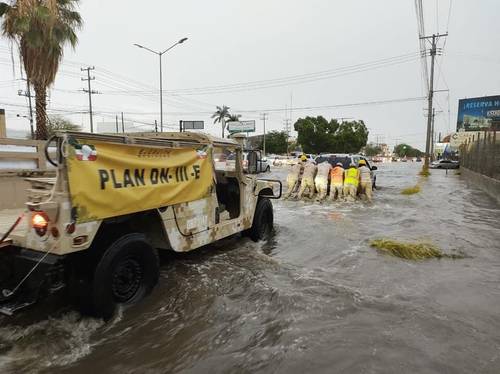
(262, 225)
(126, 273)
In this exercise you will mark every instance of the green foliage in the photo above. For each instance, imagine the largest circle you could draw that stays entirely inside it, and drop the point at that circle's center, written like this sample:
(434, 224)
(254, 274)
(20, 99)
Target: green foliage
(220, 115)
(41, 29)
(317, 135)
(276, 142)
(405, 150)
(234, 117)
(58, 123)
(372, 150)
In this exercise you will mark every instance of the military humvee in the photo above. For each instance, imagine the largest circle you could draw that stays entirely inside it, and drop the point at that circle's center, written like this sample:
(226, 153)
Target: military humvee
(95, 230)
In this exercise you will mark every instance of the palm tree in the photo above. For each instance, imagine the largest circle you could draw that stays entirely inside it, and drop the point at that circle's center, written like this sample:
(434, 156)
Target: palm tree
(234, 117)
(220, 116)
(41, 29)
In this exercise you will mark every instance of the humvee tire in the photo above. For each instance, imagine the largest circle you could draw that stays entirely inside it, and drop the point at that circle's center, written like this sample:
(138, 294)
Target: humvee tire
(263, 218)
(125, 274)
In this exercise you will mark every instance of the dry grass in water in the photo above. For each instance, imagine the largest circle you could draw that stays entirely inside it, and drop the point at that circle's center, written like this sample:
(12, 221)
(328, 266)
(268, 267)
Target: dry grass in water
(410, 251)
(411, 190)
(424, 172)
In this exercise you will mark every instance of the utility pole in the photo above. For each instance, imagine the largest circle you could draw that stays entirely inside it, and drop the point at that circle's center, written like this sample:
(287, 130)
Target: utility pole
(434, 111)
(90, 92)
(123, 124)
(263, 118)
(116, 119)
(27, 94)
(434, 38)
(156, 126)
(286, 123)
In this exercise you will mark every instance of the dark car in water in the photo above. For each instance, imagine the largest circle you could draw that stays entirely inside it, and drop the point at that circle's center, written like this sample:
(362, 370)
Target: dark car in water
(347, 159)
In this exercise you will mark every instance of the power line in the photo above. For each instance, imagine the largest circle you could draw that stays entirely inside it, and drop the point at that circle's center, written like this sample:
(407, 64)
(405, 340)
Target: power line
(295, 79)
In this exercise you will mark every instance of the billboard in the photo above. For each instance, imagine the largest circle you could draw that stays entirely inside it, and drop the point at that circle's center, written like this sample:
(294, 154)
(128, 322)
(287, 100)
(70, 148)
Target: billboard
(193, 125)
(478, 113)
(241, 126)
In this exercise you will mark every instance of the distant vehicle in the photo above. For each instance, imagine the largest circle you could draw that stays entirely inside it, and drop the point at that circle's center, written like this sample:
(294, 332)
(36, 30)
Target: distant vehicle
(418, 159)
(262, 163)
(444, 164)
(346, 159)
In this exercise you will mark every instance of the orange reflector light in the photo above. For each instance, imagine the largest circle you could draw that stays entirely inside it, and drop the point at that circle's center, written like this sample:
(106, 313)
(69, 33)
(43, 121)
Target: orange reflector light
(40, 221)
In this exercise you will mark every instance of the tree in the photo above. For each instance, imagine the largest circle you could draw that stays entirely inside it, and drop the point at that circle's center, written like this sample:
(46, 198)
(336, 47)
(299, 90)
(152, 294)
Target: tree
(372, 149)
(234, 117)
(41, 29)
(59, 123)
(276, 142)
(317, 135)
(220, 115)
(405, 150)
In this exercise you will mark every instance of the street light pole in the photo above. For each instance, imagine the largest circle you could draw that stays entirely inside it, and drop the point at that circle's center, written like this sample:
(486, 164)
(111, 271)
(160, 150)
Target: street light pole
(161, 97)
(161, 78)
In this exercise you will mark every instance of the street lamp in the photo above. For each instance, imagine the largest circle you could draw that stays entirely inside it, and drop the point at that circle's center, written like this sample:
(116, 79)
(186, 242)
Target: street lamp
(159, 54)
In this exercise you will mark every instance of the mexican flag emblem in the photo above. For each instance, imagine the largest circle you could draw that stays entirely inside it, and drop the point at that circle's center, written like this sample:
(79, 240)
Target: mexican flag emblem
(85, 152)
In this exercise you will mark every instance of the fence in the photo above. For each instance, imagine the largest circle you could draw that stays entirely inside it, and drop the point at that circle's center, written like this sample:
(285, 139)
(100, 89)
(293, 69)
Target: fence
(481, 153)
(22, 154)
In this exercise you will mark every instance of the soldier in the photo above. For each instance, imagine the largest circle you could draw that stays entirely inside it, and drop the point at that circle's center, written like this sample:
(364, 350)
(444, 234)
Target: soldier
(337, 181)
(351, 182)
(307, 183)
(321, 180)
(365, 179)
(292, 179)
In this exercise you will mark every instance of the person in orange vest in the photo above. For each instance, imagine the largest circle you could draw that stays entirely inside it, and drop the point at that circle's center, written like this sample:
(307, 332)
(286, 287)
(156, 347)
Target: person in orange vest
(351, 182)
(337, 182)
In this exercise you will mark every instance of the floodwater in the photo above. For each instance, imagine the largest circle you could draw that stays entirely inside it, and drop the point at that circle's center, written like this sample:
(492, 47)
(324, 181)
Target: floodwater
(315, 298)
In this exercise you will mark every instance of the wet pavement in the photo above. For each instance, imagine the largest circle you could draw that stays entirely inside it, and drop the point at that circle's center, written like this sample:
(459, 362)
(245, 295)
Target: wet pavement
(315, 298)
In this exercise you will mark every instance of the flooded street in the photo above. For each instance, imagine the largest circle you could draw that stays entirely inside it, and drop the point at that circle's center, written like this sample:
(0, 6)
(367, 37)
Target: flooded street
(315, 298)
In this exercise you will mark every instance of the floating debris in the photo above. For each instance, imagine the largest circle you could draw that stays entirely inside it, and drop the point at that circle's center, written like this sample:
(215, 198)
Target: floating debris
(411, 251)
(424, 172)
(411, 190)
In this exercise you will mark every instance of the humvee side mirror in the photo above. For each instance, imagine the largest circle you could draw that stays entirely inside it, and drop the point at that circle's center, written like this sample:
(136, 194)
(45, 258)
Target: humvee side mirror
(253, 163)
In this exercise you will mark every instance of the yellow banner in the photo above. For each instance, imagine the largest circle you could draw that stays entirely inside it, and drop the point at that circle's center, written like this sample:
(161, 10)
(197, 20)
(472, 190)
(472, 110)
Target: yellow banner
(107, 179)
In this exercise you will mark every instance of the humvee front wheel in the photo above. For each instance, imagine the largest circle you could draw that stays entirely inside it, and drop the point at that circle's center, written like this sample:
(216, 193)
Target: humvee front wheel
(126, 273)
(263, 218)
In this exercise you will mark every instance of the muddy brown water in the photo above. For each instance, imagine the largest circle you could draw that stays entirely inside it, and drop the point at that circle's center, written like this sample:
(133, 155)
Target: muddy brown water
(315, 298)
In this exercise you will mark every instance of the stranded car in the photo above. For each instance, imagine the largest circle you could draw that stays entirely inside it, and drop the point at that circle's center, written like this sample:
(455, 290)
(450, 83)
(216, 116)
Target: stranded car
(117, 201)
(346, 160)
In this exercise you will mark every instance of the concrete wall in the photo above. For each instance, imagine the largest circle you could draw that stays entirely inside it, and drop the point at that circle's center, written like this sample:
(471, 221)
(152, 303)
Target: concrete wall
(489, 185)
(12, 191)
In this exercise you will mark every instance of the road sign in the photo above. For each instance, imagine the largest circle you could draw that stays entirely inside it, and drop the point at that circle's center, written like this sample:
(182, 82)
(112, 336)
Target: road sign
(193, 125)
(241, 126)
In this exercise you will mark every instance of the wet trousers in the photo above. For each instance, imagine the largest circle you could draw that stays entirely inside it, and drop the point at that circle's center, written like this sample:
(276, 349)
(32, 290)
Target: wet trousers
(336, 191)
(350, 191)
(321, 184)
(306, 185)
(366, 188)
(292, 181)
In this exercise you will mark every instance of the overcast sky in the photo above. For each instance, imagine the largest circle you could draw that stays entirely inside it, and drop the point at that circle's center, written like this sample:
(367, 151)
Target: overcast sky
(236, 41)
